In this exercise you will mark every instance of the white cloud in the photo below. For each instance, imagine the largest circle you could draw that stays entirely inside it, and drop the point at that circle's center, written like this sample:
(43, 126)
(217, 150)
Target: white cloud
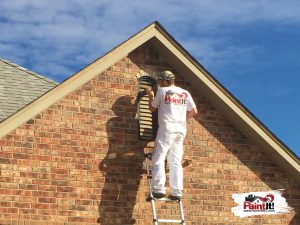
(68, 33)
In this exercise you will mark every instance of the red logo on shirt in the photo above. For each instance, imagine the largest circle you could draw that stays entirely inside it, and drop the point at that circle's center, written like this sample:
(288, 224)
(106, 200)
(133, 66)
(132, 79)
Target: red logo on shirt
(176, 98)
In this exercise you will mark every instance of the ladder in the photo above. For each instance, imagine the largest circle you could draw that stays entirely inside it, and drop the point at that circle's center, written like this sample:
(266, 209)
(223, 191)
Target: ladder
(152, 199)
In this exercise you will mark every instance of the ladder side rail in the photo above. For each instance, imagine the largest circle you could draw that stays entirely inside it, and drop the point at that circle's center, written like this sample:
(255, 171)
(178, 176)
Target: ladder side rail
(181, 212)
(148, 175)
(155, 221)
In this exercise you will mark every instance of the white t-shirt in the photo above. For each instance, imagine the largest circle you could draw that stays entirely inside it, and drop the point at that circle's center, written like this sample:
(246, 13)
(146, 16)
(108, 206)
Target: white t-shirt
(173, 103)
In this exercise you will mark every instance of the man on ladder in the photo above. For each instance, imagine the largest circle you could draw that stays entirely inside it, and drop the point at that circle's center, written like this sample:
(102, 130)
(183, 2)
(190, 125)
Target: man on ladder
(175, 105)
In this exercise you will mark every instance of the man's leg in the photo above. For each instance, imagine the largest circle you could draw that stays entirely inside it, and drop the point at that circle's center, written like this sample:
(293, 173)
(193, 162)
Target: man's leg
(174, 157)
(162, 145)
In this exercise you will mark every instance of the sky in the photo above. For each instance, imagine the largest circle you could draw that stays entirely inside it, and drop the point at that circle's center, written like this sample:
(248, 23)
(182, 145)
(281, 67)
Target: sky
(251, 47)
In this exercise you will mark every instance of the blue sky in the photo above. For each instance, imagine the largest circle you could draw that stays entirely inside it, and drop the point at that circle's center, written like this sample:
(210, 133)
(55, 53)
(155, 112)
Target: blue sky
(251, 47)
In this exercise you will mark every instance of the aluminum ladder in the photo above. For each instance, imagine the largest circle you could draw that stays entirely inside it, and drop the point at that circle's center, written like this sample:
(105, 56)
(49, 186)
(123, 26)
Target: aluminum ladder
(152, 199)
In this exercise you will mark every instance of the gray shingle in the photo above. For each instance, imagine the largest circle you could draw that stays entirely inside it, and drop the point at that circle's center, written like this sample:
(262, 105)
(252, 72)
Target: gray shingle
(19, 87)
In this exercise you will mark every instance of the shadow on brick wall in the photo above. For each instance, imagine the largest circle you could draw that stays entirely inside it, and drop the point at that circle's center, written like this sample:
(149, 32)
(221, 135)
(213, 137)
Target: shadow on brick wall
(122, 166)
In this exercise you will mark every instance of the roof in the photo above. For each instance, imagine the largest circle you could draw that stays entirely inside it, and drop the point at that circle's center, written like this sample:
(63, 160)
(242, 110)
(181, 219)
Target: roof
(19, 87)
(194, 72)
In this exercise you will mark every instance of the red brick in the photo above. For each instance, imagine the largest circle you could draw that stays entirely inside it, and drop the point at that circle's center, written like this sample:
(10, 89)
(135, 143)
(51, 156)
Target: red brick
(8, 210)
(46, 200)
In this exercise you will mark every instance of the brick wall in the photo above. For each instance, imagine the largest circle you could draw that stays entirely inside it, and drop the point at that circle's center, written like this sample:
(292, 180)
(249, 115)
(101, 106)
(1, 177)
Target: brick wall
(80, 161)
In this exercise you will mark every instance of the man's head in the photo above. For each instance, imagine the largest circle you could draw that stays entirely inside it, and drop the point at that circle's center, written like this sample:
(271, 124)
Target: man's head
(165, 78)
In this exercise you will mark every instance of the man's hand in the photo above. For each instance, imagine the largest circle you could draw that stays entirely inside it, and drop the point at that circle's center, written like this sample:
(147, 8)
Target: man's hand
(149, 92)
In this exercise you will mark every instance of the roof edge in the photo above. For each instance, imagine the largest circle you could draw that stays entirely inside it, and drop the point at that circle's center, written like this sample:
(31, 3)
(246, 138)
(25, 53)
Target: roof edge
(42, 77)
(76, 80)
(229, 97)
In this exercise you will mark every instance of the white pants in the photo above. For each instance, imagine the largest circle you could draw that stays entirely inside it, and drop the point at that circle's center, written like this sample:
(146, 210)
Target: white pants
(168, 146)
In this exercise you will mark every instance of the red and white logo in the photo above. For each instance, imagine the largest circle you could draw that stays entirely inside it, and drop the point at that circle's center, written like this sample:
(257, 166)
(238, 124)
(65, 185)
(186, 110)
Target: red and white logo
(176, 98)
(258, 203)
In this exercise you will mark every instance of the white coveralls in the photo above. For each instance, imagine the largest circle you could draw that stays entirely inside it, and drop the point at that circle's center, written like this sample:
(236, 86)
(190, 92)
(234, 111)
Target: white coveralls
(173, 103)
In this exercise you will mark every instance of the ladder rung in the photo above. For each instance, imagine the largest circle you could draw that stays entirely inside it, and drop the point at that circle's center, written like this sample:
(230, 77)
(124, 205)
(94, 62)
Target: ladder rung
(165, 200)
(148, 199)
(169, 221)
